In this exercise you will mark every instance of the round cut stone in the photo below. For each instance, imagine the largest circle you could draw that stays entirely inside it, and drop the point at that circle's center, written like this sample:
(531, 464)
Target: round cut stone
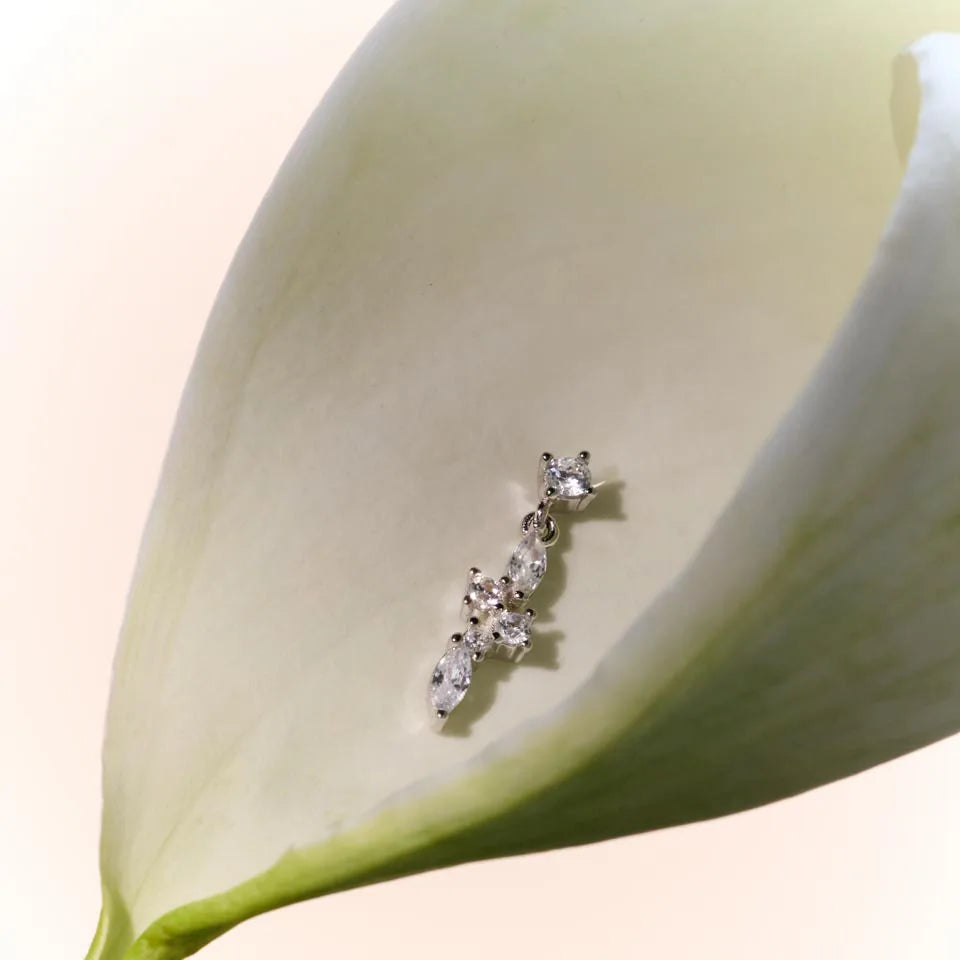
(514, 628)
(528, 563)
(570, 476)
(485, 594)
(451, 678)
(478, 639)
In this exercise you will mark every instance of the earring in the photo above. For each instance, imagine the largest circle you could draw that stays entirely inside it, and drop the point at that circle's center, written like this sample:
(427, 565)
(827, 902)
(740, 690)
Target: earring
(497, 620)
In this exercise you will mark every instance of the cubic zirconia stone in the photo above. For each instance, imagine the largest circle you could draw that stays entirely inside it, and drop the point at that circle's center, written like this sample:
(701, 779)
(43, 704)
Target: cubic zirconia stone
(514, 628)
(528, 563)
(478, 639)
(570, 476)
(451, 678)
(484, 593)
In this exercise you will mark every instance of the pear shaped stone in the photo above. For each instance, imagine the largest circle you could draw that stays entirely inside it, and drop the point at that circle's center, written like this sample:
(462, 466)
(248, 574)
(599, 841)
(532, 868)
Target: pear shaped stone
(528, 563)
(451, 679)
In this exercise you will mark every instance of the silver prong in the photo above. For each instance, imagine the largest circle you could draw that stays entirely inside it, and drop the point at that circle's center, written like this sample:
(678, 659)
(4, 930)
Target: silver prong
(473, 572)
(467, 601)
(583, 502)
(499, 606)
(477, 656)
(550, 492)
(531, 613)
(495, 635)
(519, 596)
(546, 457)
(474, 621)
(442, 714)
(584, 455)
(505, 580)
(527, 644)
(456, 637)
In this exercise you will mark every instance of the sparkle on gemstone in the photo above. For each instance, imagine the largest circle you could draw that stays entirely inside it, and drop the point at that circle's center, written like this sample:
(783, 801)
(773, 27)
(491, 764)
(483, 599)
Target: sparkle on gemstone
(514, 628)
(570, 476)
(484, 593)
(451, 678)
(478, 639)
(528, 563)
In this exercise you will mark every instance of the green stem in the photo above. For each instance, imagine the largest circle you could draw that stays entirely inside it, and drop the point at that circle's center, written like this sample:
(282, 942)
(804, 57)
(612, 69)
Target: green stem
(114, 934)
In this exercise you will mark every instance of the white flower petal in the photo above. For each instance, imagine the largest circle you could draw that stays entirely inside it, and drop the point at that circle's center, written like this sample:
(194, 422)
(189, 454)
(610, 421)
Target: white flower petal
(516, 227)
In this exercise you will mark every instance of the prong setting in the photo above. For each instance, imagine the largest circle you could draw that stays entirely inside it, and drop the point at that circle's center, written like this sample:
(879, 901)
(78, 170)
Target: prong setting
(497, 622)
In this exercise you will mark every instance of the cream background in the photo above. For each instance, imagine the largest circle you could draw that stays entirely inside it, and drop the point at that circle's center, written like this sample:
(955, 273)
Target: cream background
(135, 147)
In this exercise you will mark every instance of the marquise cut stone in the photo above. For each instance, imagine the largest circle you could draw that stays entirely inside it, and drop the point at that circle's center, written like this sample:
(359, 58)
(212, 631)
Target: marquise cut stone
(451, 679)
(528, 563)
(569, 476)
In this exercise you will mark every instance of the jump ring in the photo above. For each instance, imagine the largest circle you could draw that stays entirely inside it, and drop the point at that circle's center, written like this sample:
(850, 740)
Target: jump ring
(550, 530)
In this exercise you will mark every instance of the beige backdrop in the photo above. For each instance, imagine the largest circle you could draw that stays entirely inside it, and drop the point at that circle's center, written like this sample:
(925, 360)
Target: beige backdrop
(135, 147)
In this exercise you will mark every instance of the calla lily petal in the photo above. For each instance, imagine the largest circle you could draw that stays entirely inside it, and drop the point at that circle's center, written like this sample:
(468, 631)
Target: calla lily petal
(524, 226)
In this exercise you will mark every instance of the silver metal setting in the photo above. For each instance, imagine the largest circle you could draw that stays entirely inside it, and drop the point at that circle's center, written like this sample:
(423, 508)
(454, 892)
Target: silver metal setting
(498, 622)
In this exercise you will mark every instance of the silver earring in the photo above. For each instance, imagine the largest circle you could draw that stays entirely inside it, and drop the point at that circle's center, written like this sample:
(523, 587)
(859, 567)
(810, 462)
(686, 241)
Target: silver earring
(497, 618)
